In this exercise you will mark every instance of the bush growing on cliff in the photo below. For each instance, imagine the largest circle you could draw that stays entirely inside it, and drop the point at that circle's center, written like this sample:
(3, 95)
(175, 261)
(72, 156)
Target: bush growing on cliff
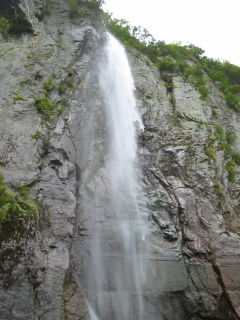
(49, 84)
(231, 171)
(166, 64)
(210, 153)
(188, 60)
(236, 157)
(79, 8)
(15, 205)
(46, 107)
(5, 26)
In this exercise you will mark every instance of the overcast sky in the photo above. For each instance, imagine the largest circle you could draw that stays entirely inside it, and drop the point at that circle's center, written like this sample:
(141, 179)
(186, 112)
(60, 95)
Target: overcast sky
(213, 25)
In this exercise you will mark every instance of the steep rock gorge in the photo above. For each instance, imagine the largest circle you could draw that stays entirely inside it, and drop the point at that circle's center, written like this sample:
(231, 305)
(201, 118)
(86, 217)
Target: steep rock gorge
(193, 208)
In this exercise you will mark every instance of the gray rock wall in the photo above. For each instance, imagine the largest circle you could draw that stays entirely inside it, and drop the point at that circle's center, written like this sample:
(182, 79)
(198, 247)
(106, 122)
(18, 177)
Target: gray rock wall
(194, 205)
(35, 278)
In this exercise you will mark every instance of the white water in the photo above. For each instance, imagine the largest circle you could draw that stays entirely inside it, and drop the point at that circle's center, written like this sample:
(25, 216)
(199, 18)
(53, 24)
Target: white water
(119, 275)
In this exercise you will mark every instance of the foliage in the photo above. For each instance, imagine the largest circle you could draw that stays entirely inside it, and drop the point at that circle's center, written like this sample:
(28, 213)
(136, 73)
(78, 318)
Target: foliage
(65, 85)
(217, 188)
(188, 60)
(15, 204)
(79, 8)
(210, 153)
(166, 64)
(18, 98)
(203, 91)
(219, 131)
(5, 26)
(236, 157)
(49, 84)
(50, 7)
(62, 88)
(46, 107)
(231, 171)
(37, 135)
(229, 137)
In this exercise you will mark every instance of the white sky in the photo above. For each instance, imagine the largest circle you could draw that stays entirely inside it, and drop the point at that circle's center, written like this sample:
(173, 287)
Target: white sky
(213, 25)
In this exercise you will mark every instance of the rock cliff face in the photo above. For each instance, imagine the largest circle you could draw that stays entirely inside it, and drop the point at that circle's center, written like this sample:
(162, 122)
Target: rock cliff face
(193, 207)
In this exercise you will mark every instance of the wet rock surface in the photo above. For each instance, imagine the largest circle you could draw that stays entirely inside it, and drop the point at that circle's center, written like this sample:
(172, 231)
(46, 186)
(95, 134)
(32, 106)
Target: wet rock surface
(178, 129)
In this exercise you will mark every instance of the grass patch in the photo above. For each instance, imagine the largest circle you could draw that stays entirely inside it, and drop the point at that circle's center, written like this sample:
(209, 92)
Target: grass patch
(50, 7)
(231, 171)
(18, 98)
(5, 26)
(46, 107)
(229, 137)
(187, 60)
(217, 188)
(65, 85)
(15, 204)
(49, 84)
(210, 153)
(37, 135)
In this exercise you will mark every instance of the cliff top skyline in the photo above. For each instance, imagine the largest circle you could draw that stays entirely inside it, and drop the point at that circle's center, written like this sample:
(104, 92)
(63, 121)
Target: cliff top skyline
(211, 25)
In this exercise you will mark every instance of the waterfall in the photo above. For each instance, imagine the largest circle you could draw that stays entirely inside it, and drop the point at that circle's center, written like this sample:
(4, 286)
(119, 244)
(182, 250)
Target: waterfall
(115, 272)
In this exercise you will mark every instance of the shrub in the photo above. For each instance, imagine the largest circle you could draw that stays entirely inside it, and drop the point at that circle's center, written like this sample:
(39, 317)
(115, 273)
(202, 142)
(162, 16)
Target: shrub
(166, 64)
(15, 205)
(50, 7)
(229, 137)
(219, 131)
(65, 85)
(231, 171)
(5, 26)
(37, 135)
(18, 98)
(49, 84)
(176, 57)
(69, 81)
(62, 88)
(75, 10)
(203, 91)
(236, 157)
(232, 101)
(217, 188)
(210, 153)
(45, 106)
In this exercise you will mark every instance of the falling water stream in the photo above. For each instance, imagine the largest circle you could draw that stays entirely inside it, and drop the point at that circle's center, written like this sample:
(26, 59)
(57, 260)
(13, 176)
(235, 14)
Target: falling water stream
(119, 274)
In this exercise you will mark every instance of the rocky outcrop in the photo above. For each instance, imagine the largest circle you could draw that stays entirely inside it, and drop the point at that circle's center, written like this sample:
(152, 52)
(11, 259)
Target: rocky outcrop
(181, 175)
(24, 15)
(193, 208)
(41, 153)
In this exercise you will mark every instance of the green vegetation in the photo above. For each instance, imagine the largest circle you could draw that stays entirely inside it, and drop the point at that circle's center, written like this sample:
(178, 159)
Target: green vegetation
(31, 54)
(231, 171)
(229, 137)
(75, 11)
(37, 135)
(49, 84)
(79, 8)
(5, 26)
(62, 88)
(18, 98)
(217, 188)
(46, 107)
(50, 7)
(210, 153)
(236, 158)
(219, 135)
(65, 85)
(15, 205)
(187, 60)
